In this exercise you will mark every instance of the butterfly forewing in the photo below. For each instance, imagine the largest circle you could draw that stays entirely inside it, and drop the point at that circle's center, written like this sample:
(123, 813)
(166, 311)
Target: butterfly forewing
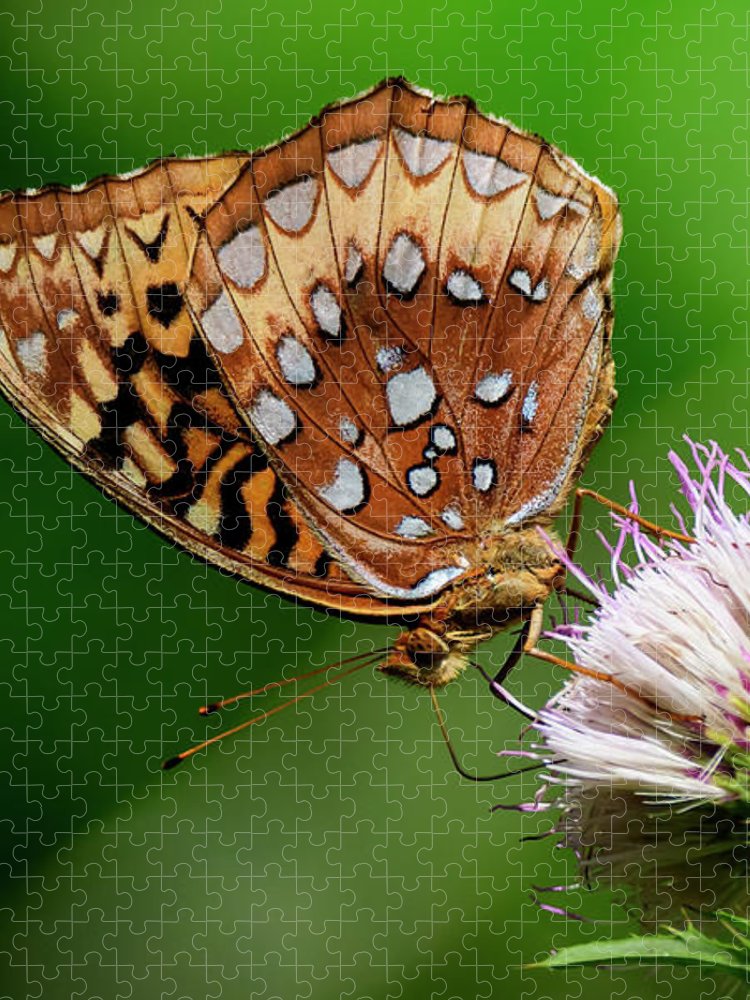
(336, 366)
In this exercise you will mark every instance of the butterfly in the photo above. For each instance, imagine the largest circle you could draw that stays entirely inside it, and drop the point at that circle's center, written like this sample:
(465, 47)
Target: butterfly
(360, 367)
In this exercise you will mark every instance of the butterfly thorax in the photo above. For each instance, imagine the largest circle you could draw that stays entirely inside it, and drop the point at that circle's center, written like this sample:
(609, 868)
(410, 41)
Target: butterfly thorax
(516, 573)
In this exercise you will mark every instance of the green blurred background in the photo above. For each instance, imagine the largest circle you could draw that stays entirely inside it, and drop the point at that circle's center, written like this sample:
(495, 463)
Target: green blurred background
(331, 851)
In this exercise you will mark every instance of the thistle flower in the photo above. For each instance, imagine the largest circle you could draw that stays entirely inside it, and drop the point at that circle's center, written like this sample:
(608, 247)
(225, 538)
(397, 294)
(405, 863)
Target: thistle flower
(652, 772)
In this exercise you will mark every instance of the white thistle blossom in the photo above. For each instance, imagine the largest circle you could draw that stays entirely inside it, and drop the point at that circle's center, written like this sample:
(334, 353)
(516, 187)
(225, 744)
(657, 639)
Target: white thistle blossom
(652, 775)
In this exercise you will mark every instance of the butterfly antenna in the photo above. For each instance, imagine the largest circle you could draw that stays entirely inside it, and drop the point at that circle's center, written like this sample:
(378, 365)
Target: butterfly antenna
(174, 761)
(454, 756)
(217, 706)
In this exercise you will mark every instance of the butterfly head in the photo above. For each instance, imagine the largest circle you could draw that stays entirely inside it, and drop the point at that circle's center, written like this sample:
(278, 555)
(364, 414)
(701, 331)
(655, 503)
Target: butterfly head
(515, 575)
(426, 656)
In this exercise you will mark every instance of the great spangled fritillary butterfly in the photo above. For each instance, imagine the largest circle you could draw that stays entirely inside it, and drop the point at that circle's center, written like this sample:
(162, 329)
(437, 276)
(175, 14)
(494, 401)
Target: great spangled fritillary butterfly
(359, 367)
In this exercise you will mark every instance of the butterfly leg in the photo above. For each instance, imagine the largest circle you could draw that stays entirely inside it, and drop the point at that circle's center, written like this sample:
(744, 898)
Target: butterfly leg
(574, 534)
(527, 638)
(526, 643)
(600, 675)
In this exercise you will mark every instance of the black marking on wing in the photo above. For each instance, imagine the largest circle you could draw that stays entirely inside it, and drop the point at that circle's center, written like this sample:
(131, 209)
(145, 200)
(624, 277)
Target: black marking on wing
(108, 302)
(182, 418)
(165, 303)
(197, 218)
(322, 565)
(285, 529)
(98, 261)
(116, 415)
(152, 251)
(192, 375)
(236, 527)
(131, 357)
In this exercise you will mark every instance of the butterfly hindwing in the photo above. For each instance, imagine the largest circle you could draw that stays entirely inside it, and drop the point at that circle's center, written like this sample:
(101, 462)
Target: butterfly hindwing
(409, 303)
(337, 366)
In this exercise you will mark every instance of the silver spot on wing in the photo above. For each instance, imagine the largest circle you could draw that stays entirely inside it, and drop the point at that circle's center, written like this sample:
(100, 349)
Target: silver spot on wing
(243, 258)
(404, 265)
(489, 176)
(411, 396)
(291, 207)
(348, 489)
(272, 417)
